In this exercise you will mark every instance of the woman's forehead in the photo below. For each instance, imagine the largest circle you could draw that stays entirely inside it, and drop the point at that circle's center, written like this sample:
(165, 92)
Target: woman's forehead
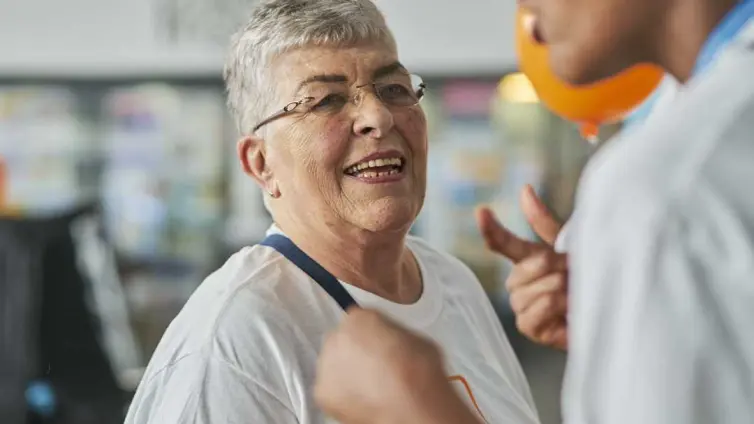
(336, 65)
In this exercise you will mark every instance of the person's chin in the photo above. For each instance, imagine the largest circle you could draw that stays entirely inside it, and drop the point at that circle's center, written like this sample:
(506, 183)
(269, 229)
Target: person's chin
(389, 216)
(581, 69)
(578, 75)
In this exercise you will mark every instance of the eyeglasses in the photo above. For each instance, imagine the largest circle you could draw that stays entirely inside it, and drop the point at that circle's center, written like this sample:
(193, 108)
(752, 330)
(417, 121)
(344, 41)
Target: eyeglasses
(402, 90)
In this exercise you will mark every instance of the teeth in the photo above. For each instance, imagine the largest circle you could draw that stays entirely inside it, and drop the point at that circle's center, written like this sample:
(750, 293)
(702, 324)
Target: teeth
(374, 164)
(372, 174)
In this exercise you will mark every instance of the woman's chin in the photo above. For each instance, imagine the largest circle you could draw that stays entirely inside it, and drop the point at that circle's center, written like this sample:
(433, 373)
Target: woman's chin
(398, 219)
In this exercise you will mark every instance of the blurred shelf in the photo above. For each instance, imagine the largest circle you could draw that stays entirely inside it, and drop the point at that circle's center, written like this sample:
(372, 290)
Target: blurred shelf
(93, 65)
(159, 264)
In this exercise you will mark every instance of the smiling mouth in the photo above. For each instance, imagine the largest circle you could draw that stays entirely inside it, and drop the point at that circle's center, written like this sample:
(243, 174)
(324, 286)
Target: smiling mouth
(377, 168)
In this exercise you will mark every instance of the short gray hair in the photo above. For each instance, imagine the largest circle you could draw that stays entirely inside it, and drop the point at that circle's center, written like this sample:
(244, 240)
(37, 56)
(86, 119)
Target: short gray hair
(278, 26)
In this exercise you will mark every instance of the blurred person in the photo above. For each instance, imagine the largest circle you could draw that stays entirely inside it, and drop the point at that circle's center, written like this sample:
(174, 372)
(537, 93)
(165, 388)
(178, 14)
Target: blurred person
(333, 133)
(660, 246)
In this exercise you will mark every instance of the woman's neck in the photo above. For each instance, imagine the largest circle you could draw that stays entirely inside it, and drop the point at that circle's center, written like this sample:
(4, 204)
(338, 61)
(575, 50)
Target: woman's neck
(378, 263)
(685, 31)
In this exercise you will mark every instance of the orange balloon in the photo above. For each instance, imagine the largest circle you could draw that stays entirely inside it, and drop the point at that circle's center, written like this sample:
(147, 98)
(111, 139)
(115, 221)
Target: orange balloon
(591, 105)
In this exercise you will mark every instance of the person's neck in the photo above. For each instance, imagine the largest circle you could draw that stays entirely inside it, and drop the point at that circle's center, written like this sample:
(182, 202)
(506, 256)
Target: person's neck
(378, 263)
(685, 31)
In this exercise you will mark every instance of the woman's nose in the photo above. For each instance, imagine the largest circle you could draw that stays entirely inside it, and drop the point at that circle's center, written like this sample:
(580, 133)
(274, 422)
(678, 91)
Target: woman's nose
(372, 117)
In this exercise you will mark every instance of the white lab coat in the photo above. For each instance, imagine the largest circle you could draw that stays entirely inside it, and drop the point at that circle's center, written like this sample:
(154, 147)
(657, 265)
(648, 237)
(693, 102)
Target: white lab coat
(661, 251)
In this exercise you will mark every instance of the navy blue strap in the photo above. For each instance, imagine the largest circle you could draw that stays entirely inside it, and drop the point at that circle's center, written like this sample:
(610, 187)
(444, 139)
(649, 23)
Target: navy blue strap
(321, 276)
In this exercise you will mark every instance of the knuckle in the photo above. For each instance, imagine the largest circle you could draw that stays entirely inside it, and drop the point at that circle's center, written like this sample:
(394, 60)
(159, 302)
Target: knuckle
(510, 282)
(550, 302)
(553, 256)
(524, 326)
(535, 264)
(515, 302)
(543, 259)
(560, 286)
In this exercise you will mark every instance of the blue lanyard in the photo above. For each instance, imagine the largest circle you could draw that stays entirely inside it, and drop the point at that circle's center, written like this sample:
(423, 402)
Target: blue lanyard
(726, 31)
(721, 36)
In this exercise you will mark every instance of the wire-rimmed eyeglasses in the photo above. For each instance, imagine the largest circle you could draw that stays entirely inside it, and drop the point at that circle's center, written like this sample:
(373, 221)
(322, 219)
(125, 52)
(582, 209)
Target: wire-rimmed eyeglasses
(403, 91)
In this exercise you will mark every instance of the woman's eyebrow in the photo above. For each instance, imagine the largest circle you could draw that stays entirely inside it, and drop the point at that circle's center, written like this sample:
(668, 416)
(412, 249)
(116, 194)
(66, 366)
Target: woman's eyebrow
(327, 78)
(330, 78)
(388, 69)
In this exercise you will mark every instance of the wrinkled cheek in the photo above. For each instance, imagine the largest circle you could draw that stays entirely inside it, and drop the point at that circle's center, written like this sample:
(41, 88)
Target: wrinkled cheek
(415, 130)
(332, 141)
(301, 157)
(326, 147)
(415, 133)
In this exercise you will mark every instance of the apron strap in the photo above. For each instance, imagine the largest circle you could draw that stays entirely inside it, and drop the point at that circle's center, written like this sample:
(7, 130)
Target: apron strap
(321, 276)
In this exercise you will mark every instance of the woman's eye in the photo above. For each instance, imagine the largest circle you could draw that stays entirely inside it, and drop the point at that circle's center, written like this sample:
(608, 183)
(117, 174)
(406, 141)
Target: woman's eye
(330, 102)
(394, 91)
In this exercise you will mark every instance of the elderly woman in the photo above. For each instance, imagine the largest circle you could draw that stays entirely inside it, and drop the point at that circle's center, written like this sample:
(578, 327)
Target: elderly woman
(333, 132)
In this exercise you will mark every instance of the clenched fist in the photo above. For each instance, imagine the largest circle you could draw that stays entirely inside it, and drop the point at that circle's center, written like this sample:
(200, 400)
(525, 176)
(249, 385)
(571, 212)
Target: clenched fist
(371, 370)
(538, 283)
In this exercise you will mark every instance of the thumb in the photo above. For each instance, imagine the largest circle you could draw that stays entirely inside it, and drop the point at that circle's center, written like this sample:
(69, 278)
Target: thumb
(501, 240)
(539, 217)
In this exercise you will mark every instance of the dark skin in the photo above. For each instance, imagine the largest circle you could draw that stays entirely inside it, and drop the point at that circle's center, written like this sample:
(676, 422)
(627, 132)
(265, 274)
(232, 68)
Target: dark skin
(589, 40)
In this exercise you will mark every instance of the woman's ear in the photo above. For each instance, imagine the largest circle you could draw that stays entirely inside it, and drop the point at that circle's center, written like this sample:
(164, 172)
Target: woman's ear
(253, 156)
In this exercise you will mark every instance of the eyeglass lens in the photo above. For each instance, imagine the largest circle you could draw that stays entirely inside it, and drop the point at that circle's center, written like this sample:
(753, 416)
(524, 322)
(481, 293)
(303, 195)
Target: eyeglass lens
(400, 92)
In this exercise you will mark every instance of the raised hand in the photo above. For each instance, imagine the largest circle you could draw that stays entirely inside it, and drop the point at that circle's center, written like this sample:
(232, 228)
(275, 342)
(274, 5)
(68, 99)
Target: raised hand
(538, 283)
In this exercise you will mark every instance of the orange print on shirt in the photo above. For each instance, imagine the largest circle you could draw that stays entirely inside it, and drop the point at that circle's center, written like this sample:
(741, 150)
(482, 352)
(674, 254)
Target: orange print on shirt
(467, 388)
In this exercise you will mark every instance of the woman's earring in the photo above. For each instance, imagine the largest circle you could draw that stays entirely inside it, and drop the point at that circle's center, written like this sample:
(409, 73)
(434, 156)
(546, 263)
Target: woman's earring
(273, 194)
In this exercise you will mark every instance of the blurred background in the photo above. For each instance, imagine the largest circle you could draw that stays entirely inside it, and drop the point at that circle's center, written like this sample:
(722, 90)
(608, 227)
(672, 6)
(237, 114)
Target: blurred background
(117, 155)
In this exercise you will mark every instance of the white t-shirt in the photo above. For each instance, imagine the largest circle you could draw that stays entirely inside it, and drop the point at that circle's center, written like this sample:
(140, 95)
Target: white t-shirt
(244, 347)
(661, 251)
